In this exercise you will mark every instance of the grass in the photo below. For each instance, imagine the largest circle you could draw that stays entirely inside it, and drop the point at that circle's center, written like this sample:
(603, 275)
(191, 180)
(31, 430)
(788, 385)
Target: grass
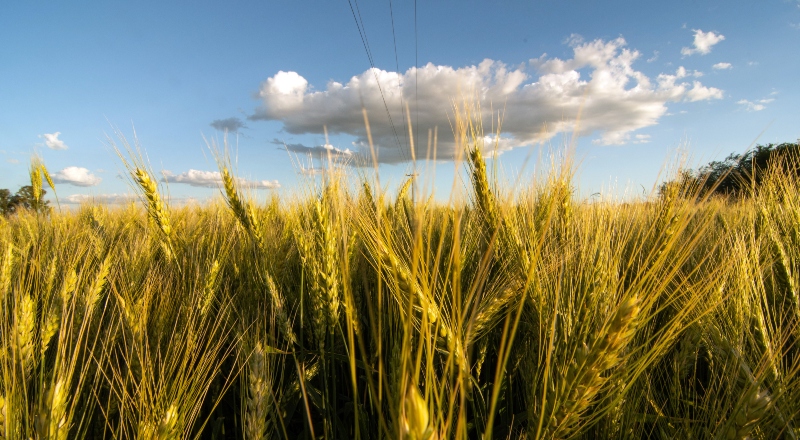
(354, 313)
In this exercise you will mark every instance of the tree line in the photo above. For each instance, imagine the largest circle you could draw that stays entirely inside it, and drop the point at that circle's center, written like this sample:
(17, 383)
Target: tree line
(738, 175)
(23, 199)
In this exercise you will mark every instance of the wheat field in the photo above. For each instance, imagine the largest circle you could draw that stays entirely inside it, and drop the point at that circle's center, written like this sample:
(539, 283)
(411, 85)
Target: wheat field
(354, 313)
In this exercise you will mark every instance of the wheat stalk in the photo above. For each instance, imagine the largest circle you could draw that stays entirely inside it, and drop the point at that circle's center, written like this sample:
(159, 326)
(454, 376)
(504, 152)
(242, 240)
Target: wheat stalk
(99, 283)
(278, 303)
(24, 325)
(241, 210)
(416, 421)
(36, 179)
(5, 272)
(258, 400)
(745, 419)
(4, 425)
(486, 317)
(328, 272)
(209, 287)
(58, 426)
(483, 193)
(311, 268)
(155, 206)
(584, 378)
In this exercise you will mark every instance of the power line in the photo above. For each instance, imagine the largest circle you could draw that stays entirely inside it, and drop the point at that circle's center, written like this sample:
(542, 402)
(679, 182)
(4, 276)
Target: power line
(397, 67)
(365, 41)
(416, 75)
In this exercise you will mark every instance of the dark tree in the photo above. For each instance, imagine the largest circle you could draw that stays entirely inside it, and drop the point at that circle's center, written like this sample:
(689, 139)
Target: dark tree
(23, 199)
(5, 201)
(739, 174)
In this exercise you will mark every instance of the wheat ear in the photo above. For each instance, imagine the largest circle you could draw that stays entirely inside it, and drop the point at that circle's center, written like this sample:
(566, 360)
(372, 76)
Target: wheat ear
(242, 211)
(24, 323)
(584, 378)
(278, 303)
(4, 428)
(485, 198)
(96, 289)
(5, 272)
(416, 418)
(209, 287)
(36, 179)
(58, 427)
(155, 206)
(746, 418)
(329, 274)
(258, 400)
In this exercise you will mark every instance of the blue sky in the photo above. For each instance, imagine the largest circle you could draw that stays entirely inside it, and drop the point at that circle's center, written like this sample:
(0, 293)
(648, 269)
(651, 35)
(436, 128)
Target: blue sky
(649, 78)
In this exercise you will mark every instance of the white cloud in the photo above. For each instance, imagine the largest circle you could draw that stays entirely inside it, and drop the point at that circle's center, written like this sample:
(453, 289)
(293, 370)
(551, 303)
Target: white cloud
(654, 57)
(213, 179)
(703, 42)
(77, 199)
(76, 176)
(14, 161)
(53, 142)
(641, 139)
(756, 106)
(722, 66)
(612, 98)
(310, 171)
(699, 92)
(320, 151)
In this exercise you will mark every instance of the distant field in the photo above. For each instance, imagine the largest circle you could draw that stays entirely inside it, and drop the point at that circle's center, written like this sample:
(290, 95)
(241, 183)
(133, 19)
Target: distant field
(355, 314)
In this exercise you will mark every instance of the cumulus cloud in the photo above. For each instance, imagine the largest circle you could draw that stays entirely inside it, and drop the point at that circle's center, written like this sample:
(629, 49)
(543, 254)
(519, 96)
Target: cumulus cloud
(599, 82)
(699, 92)
(77, 176)
(77, 199)
(231, 125)
(213, 179)
(53, 142)
(703, 42)
(722, 66)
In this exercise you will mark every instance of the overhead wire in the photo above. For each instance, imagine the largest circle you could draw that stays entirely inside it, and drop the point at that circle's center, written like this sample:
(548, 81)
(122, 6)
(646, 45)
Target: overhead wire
(416, 75)
(397, 67)
(365, 41)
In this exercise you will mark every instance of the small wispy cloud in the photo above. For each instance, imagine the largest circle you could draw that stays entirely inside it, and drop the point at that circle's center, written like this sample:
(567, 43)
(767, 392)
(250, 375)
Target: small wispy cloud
(321, 151)
(654, 57)
(722, 66)
(213, 179)
(231, 125)
(703, 42)
(310, 171)
(13, 161)
(53, 142)
(755, 106)
(76, 176)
